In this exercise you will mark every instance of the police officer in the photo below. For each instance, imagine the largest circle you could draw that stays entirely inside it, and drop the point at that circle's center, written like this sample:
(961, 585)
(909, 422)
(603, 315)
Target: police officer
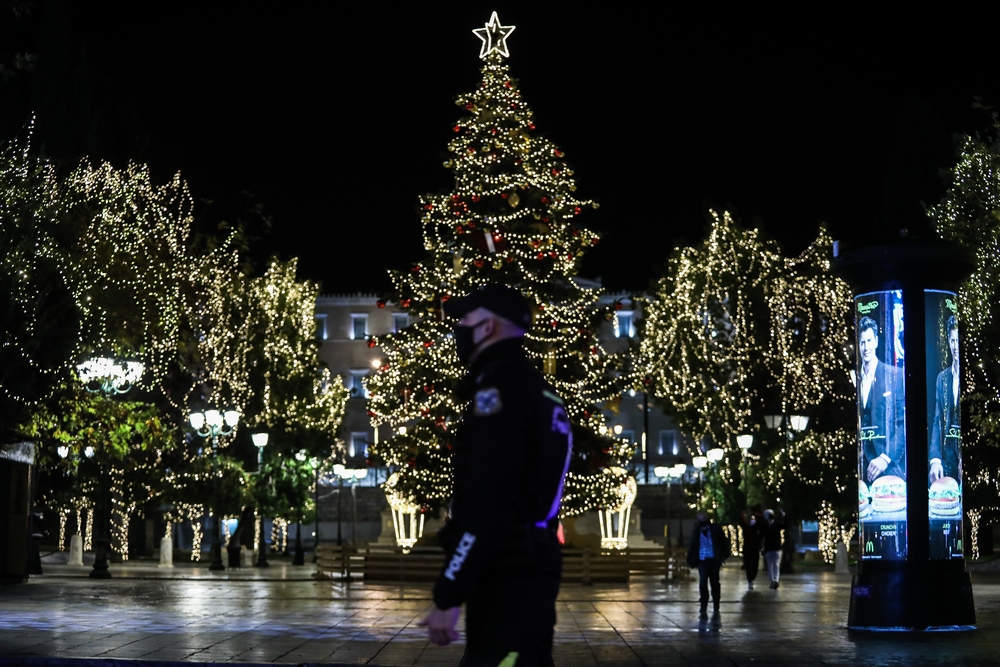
(510, 461)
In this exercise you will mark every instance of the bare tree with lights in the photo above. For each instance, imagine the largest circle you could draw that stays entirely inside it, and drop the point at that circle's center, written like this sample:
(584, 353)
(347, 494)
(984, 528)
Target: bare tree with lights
(511, 218)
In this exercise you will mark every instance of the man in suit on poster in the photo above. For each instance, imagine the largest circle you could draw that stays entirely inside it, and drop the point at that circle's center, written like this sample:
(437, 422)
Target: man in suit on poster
(945, 459)
(882, 408)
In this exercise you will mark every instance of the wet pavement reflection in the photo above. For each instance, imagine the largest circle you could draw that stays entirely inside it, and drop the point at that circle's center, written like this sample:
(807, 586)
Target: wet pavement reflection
(282, 615)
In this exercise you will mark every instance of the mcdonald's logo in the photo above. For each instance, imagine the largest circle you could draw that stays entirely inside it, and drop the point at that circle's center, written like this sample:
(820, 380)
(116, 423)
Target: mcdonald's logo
(869, 547)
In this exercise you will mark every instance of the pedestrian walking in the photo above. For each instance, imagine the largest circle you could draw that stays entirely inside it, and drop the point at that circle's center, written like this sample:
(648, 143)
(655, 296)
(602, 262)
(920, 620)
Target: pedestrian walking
(772, 545)
(752, 523)
(38, 531)
(708, 549)
(510, 461)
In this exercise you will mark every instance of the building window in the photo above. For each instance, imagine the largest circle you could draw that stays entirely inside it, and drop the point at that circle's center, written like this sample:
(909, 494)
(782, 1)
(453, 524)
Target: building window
(321, 326)
(356, 384)
(624, 324)
(358, 445)
(668, 443)
(400, 321)
(359, 326)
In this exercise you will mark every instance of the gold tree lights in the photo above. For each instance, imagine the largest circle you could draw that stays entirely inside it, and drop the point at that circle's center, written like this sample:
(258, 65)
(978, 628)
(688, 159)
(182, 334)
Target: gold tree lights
(970, 213)
(734, 332)
(511, 217)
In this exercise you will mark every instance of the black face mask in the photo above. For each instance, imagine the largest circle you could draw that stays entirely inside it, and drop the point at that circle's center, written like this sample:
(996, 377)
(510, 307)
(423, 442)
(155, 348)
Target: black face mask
(465, 341)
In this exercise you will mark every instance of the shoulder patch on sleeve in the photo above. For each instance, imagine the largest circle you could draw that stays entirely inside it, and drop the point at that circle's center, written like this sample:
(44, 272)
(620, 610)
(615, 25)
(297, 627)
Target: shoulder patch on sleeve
(487, 402)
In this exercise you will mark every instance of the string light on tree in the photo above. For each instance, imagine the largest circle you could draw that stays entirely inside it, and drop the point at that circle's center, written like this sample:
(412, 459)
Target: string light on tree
(511, 217)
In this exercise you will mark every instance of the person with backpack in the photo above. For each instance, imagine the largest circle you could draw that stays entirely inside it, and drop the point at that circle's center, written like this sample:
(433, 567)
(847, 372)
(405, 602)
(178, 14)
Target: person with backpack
(708, 549)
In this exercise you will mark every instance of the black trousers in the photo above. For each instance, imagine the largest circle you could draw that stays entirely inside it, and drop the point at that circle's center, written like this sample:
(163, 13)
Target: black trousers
(751, 563)
(511, 613)
(708, 574)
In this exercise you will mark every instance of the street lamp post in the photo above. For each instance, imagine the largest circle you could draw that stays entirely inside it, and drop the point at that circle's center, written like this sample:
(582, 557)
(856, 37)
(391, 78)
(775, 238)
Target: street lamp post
(315, 465)
(260, 441)
(745, 442)
(109, 377)
(338, 471)
(353, 475)
(212, 424)
(300, 555)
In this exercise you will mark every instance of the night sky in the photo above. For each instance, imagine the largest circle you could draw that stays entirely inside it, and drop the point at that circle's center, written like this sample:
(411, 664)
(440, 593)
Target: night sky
(334, 118)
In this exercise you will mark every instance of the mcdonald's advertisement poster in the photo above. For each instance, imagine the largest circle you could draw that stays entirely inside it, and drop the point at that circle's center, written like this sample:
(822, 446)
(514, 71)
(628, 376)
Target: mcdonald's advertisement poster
(944, 427)
(881, 360)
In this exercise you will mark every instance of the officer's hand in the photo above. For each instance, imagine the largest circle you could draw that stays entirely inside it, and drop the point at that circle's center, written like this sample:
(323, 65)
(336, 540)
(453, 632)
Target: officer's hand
(440, 624)
(936, 471)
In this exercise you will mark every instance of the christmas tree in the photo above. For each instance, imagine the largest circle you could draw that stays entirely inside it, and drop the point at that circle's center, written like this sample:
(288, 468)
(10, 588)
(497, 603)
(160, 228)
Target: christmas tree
(511, 218)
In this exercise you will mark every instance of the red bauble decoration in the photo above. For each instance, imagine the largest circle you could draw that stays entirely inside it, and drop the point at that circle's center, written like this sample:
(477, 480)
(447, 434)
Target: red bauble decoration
(555, 324)
(478, 262)
(468, 107)
(459, 229)
(475, 197)
(472, 225)
(540, 255)
(555, 172)
(371, 414)
(535, 243)
(428, 343)
(594, 241)
(371, 342)
(405, 303)
(510, 259)
(558, 153)
(618, 305)
(445, 297)
(541, 306)
(531, 126)
(380, 303)
(457, 128)
(594, 350)
(586, 414)
(415, 269)
(506, 84)
(545, 219)
(577, 210)
(503, 195)
(553, 254)
(545, 200)
(428, 207)
(429, 388)
(456, 197)
(576, 233)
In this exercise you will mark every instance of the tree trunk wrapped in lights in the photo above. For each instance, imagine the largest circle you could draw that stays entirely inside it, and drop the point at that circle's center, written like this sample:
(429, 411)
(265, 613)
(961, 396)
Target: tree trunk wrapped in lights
(510, 218)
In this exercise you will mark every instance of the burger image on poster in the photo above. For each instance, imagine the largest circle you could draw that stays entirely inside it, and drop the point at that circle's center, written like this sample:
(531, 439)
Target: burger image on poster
(945, 498)
(888, 494)
(864, 500)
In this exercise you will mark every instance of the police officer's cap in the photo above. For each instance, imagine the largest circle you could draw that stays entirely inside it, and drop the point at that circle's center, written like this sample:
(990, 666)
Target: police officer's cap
(497, 298)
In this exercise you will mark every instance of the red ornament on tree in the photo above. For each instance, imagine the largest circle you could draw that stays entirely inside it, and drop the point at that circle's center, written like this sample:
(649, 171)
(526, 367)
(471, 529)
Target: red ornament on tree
(475, 197)
(405, 303)
(478, 262)
(380, 303)
(457, 129)
(428, 343)
(371, 342)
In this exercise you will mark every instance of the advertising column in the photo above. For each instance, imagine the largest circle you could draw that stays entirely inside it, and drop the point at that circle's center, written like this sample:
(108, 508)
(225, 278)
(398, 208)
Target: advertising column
(911, 572)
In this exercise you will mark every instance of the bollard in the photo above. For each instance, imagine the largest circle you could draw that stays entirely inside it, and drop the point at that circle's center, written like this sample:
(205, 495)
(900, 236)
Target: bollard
(247, 558)
(166, 552)
(75, 549)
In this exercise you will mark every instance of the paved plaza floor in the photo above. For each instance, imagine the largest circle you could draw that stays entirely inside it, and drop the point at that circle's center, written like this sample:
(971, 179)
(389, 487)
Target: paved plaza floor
(282, 615)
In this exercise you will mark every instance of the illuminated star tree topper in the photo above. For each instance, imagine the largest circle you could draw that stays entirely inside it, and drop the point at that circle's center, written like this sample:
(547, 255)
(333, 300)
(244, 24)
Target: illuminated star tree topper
(494, 37)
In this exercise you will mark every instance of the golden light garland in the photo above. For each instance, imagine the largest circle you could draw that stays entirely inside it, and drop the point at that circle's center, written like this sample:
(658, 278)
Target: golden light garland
(510, 218)
(968, 213)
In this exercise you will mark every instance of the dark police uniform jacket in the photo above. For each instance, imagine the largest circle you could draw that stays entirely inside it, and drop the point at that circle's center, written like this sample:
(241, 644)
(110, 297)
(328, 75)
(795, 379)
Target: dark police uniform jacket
(509, 464)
